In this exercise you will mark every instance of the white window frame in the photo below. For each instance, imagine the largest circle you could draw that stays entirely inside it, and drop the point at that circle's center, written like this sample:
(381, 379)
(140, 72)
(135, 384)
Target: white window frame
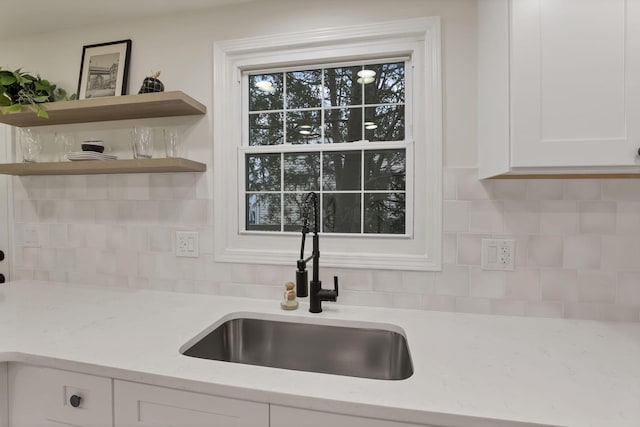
(418, 38)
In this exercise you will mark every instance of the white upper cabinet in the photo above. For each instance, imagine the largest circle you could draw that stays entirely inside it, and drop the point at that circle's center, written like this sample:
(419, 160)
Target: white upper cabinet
(558, 86)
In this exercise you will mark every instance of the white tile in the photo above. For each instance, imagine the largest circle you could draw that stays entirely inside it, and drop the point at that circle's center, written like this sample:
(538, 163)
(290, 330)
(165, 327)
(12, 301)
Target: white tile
(401, 300)
(596, 286)
(558, 217)
(544, 189)
(508, 189)
(487, 284)
(96, 187)
(116, 237)
(371, 299)
(418, 282)
(138, 186)
(545, 251)
(449, 248)
(473, 305)
(117, 187)
(582, 189)
(521, 217)
(243, 273)
(584, 311)
(137, 238)
(621, 253)
(75, 187)
(184, 185)
(455, 216)
(160, 186)
(349, 279)
(161, 239)
(439, 302)
(146, 265)
(621, 190)
(628, 218)
(523, 285)
(559, 285)
(486, 216)
(582, 252)
(46, 210)
(544, 309)
(454, 281)
(106, 211)
(507, 308)
(597, 217)
(470, 187)
(385, 281)
(628, 292)
(620, 314)
(470, 248)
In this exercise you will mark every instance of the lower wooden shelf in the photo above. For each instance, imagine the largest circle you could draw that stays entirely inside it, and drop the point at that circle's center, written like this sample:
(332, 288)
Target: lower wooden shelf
(96, 167)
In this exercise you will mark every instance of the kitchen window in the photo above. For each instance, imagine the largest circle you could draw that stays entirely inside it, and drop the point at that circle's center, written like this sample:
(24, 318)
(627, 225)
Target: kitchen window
(353, 114)
(339, 130)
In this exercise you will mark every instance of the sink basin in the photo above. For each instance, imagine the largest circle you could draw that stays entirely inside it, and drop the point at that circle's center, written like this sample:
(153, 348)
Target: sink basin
(366, 352)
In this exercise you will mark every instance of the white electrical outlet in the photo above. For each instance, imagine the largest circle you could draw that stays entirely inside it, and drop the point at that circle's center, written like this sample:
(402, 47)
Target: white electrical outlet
(498, 254)
(187, 244)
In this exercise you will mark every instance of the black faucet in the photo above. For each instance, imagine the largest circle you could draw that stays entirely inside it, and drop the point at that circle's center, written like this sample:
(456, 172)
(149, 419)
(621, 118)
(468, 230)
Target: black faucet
(315, 292)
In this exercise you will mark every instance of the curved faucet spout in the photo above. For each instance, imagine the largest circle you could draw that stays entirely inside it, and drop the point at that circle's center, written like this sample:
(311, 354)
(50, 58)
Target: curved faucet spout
(316, 293)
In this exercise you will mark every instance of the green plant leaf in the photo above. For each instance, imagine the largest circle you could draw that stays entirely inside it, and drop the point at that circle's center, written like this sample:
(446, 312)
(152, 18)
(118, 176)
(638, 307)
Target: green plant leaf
(42, 98)
(14, 108)
(7, 79)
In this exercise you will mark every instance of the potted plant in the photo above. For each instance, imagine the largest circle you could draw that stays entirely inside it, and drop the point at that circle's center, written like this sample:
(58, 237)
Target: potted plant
(18, 88)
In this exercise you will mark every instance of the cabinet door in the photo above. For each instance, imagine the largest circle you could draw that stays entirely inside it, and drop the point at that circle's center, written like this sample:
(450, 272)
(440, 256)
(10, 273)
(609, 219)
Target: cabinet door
(138, 405)
(575, 83)
(43, 397)
(282, 416)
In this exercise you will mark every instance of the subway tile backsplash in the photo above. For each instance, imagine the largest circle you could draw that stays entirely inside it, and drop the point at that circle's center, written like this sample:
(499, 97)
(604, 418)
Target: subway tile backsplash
(577, 244)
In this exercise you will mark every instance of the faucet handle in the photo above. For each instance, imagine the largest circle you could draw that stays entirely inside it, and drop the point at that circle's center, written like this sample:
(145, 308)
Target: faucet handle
(335, 284)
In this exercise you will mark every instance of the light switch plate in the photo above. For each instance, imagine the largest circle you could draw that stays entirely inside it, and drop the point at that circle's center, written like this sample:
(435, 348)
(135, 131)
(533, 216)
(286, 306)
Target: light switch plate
(187, 244)
(498, 254)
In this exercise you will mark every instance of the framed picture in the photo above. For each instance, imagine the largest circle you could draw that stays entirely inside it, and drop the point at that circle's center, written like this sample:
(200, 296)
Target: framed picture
(104, 69)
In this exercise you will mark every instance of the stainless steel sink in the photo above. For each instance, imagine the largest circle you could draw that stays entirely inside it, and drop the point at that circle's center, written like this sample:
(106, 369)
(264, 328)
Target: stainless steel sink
(353, 351)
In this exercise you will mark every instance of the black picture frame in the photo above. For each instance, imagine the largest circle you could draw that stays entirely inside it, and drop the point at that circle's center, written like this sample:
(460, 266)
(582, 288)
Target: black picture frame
(104, 69)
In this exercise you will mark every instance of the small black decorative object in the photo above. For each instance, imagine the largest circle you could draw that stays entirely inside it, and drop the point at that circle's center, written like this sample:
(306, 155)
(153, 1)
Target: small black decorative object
(152, 84)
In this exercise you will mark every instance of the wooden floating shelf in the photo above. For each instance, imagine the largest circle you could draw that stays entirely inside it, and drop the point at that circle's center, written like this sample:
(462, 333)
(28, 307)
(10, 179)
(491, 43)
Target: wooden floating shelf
(96, 167)
(141, 106)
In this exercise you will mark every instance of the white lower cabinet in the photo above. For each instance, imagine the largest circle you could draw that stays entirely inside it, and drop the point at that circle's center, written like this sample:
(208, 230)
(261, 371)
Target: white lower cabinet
(282, 416)
(45, 397)
(140, 405)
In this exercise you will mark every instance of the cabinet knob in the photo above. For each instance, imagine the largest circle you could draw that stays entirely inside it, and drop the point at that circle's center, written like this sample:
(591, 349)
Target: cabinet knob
(75, 400)
(1, 278)
(1, 255)
(638, 151)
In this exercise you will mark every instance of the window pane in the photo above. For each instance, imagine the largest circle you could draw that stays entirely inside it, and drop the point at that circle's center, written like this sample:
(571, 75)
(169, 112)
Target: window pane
(301, 172)
(304, 89)
(341, 213)
(263, 172)
(384, 213)
(265, 92)
(263, 212)
(385, 170)
(266, 129)
(384, 123)
(343, 125)
(293, 209)
(341, 170)
(341, 87)
(303, 127)
(388, 85)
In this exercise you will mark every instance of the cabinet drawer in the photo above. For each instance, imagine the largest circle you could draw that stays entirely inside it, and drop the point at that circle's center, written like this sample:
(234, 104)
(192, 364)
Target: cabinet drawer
(139, 405)
(43, 396)
(282, 416)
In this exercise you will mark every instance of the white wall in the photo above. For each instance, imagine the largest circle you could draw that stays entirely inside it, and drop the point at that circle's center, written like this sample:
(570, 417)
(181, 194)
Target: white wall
(574, 238)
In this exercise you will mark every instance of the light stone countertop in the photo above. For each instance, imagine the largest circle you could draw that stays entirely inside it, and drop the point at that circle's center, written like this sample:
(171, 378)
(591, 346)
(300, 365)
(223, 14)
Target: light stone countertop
(540, 371)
